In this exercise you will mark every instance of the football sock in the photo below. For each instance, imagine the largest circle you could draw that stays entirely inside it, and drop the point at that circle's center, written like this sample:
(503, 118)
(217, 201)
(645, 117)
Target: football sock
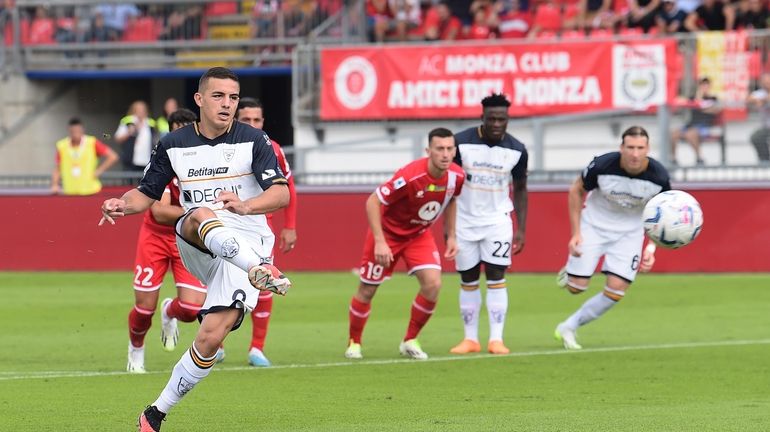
(139, 321)
(422, 310)
(470, 307)
(228, 244)
(593, 308)
(260, 318)
(183, 311)
(188, 371)
(359, 313)
(497, 307)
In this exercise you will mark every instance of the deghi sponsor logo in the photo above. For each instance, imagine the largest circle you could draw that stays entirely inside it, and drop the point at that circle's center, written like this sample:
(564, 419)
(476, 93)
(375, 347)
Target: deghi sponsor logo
(206, 172)
(487, 180)
(198, 196)
(487, 165)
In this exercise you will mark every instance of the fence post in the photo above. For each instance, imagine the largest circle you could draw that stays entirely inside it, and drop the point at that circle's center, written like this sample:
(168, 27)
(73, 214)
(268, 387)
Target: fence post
(664, 137)
(538, 135)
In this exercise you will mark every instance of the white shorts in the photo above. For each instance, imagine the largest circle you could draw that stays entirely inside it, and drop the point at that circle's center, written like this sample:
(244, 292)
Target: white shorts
(490, 244)
(228, 285)
(621, 251)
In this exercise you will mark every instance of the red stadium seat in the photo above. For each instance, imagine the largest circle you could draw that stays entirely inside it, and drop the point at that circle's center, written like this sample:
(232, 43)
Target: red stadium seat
(601, 33)
(221, 8)
(143, 29)
(631, 31)
(546, 35)
(548, 18)
(573, 34)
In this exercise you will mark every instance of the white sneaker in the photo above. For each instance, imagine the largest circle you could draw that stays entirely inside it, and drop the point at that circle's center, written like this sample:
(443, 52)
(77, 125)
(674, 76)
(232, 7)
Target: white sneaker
(354, 351)
(257, 358)
(412, 349)
(135, 360)
(169, 332)
(562, 278)
(568, 337)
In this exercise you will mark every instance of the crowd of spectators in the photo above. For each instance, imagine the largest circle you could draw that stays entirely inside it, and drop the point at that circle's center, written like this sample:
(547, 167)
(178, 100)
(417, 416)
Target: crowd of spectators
(401, 20)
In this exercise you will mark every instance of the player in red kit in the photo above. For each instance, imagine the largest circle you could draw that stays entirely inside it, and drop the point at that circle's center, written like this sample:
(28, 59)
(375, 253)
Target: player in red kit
(400, 213)
(156, 252)
(250, 112)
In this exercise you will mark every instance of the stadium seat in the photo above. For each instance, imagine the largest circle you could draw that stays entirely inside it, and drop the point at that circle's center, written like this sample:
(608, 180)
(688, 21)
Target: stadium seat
(718, 134)
(573, 34)
(601, 33)
(221, 8)
(632, 31)
(143, 29)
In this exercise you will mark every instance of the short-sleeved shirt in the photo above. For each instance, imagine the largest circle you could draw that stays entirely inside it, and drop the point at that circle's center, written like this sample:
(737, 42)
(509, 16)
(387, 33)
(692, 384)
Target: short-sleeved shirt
(241, 160)
(616, 198)
(712, 18)
(413, 199)
(490, 168)
(101, 150)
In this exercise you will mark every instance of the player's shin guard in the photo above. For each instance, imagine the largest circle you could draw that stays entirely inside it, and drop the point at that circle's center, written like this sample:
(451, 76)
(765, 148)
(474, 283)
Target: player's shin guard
(359, 313)
(188, 371)
(497, 307)
(422, 310)
(139, 321)
(183, 311)
(594, 307)
(470, 308)
(228, 244)
(260, 318)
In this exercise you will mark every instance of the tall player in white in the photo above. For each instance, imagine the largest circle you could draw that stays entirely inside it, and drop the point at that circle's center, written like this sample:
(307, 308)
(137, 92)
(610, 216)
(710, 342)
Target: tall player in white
(495, 163)
(618, 185)
(229, 179)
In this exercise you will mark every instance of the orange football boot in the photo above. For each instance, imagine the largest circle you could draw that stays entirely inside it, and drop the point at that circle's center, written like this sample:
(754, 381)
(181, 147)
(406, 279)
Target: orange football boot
(466, 346)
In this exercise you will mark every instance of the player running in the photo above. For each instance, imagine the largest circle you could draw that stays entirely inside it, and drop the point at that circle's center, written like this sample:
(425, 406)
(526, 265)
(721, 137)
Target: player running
(496, 163)
(229, 179)
(618, 185)
(400, 213)
(156, 251)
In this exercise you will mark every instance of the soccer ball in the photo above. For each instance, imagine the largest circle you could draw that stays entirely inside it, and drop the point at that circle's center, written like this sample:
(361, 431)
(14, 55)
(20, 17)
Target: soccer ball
(672, 219)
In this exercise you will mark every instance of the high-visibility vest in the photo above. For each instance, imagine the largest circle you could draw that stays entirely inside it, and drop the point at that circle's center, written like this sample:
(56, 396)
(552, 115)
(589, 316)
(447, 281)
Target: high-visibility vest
(77, 165)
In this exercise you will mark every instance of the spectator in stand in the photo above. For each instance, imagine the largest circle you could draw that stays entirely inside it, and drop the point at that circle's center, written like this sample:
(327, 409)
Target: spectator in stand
(65, 29)
(99, 32)
(760, 99)
(41, 29)
(162, 124)
(379, 17)
(480, 28)
(408, 16)
(704, 111)
(440, 24)
(711, 15)
(116, 15)
(643, 13)
(302, 16)
(77, 162)
(265, 14)
(595, 14)
(548, 18)
(752, 15)
(137, 135)
(514, 22)
(183, 22)
(670, 19)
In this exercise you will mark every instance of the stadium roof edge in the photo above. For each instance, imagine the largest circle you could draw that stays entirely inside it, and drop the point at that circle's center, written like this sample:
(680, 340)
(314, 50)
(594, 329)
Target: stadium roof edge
(148, 73)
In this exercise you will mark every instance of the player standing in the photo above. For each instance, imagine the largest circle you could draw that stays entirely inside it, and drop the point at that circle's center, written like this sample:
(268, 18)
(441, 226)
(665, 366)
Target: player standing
(400, 213)
(250, 112)
(156, 251)
(496, 163)
(229, 179)
(618, 185)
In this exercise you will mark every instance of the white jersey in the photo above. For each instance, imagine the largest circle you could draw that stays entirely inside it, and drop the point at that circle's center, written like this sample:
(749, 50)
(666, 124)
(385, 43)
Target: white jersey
(241, 161)
(616, 198)
(489, 168)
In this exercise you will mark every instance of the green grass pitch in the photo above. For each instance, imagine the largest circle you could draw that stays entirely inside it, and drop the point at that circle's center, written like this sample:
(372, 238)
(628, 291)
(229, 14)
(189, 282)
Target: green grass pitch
(679, 353)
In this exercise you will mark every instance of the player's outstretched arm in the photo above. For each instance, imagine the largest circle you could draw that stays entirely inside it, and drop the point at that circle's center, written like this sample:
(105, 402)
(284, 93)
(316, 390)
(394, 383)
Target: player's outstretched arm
(164, 212)
(577, 194)
(450, 222)
(131, 202)
(382, 252)
(520, 201)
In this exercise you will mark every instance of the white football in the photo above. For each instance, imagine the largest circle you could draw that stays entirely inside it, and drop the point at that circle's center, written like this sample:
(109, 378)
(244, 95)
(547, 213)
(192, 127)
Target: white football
(672, 219)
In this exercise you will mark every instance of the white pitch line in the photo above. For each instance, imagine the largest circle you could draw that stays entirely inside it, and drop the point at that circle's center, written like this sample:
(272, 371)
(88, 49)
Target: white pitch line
(11, 375)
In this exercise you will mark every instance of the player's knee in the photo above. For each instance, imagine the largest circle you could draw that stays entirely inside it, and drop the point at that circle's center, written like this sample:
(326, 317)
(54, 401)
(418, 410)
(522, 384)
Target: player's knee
(494, 271)
(366, 292)
(613, 294)
(430, 288)
(576, 286)
(471, 275)
(188, 314)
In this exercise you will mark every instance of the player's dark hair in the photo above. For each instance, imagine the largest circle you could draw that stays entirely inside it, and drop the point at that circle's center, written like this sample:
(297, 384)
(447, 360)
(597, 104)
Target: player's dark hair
(74, 121)
(248, 102)
(635, 131)
(182, 117)
(439, 132)
(219, 73)
(495, 100)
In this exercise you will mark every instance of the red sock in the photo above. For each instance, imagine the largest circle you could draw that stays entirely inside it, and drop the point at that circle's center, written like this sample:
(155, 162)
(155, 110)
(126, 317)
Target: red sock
(260, 318)
(183, 311)
(358, 314)
(422, 310)
(139, 321)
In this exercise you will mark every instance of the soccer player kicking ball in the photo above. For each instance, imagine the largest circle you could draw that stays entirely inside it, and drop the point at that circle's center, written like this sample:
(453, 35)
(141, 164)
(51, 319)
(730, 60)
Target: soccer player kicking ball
(618, 185)
(400, 213)
(156, 251)
(496, 164)
(229, 178)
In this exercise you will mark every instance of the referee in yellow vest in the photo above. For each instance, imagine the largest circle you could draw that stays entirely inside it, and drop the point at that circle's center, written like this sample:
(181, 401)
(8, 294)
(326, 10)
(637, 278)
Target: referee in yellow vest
(77, 162)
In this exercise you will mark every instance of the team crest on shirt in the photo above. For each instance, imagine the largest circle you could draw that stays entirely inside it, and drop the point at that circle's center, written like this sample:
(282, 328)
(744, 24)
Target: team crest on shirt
(399, 183)
(228, 154)
(429, 210)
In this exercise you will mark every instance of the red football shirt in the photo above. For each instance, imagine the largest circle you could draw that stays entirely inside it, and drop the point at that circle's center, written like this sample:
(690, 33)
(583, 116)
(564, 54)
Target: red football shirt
(413, 199)
(150, 221)
(290, 211)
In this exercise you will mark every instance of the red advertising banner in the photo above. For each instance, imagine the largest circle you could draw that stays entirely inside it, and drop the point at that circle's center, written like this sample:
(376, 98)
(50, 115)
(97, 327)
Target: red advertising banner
(435, 81)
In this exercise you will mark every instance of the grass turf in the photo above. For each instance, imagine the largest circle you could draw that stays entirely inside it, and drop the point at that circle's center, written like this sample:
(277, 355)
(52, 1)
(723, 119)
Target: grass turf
(680, 353)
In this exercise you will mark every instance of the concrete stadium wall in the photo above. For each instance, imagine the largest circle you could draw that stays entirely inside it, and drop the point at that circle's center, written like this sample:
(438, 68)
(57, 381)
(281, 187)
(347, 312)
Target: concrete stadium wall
(60, 233)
